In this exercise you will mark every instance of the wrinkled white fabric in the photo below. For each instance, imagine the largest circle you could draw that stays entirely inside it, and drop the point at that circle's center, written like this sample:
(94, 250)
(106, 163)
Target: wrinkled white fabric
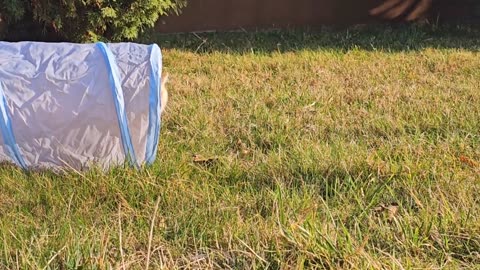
(61, 105)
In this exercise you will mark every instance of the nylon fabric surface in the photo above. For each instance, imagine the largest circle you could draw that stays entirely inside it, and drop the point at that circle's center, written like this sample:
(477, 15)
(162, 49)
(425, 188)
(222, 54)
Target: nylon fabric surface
(61, 106)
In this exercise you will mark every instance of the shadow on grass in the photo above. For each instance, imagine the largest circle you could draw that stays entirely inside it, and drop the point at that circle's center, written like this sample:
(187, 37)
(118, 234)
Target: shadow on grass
(391, 38)
(327, 182)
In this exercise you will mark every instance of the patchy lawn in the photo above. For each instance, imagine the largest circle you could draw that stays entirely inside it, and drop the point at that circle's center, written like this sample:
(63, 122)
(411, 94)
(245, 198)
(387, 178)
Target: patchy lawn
(355, 149)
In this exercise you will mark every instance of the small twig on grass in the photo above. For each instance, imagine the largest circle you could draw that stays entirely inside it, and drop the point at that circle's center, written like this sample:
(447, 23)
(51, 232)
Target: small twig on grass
(203, 42)
(120, 234)
(150, 237)
(53, 257)
(252, 251)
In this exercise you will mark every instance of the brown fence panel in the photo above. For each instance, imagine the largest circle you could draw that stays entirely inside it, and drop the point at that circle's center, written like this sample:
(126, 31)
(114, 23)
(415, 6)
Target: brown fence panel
(219, 15)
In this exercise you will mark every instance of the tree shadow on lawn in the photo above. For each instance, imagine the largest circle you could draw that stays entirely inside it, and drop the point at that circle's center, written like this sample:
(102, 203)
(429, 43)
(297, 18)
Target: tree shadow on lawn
(384, 37)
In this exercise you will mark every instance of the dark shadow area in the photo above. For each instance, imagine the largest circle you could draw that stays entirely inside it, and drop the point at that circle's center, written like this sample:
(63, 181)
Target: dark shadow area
(391, 25)
(384, 37)
(222, 15)
(27, 31)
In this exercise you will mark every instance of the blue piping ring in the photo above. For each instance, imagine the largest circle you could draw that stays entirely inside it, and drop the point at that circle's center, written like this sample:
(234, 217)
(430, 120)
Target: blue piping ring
(154, 122)
(7, 132)
(118, 98)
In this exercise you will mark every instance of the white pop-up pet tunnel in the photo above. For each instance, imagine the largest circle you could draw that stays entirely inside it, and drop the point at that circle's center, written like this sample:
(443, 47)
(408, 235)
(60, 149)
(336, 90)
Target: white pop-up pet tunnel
(65, 105)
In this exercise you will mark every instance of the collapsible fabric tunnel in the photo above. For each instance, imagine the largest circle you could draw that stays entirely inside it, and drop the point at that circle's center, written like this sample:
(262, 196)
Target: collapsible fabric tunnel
(66, 105)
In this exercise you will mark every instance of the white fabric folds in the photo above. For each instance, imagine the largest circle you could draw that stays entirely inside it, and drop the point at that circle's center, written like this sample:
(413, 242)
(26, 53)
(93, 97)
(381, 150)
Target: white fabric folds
(65, 105)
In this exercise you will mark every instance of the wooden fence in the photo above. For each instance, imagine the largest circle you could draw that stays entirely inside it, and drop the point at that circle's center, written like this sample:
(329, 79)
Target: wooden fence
(207, 15)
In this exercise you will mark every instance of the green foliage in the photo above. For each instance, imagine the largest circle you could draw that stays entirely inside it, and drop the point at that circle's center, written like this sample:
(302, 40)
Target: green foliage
(87, 20)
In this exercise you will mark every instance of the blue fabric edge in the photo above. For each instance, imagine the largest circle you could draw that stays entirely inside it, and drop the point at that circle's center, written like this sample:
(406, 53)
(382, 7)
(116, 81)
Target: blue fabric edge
(118, 97)
(154, 117)
(7, 132)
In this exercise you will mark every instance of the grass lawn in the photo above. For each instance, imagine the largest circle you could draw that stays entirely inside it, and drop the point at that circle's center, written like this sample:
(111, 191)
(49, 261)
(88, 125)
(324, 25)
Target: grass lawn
(355, 149)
